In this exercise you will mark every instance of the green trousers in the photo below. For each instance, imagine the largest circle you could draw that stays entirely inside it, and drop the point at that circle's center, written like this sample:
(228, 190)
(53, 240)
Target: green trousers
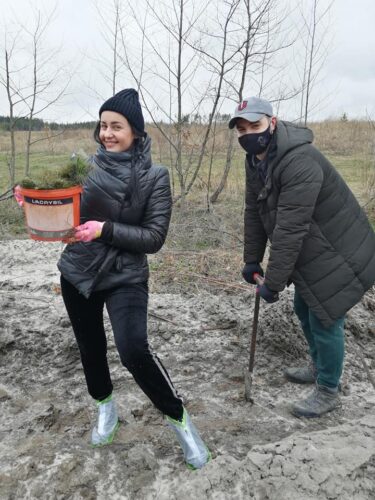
(326, 345)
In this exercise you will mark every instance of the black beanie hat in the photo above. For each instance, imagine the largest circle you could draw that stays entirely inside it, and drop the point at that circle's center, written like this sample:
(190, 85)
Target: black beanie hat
(126, 102)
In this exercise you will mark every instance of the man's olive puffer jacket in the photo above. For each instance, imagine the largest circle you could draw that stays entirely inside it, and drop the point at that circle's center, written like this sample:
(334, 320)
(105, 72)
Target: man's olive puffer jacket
(320, 237)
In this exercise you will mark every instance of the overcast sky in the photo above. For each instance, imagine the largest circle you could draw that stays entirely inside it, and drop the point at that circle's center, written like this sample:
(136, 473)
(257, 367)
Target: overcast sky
(347, 80)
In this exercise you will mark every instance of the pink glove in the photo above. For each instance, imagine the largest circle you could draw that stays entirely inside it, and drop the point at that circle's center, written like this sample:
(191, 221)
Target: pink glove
(88, 231)
(17, 195)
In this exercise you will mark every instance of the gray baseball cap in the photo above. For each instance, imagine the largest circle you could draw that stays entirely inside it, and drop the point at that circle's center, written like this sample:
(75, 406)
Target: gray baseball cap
(251, 109)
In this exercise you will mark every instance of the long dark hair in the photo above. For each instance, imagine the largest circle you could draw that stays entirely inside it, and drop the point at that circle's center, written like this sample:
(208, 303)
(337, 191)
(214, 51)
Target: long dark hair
(133, 186)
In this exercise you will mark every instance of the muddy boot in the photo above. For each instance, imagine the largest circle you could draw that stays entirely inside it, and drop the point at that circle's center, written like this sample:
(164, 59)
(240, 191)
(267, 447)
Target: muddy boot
(320, 401)
(301, 375)
(196, 453)
(107, 424)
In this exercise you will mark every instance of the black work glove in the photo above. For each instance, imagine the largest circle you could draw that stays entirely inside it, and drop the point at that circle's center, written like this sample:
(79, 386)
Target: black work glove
(249, 270)
(267, 294)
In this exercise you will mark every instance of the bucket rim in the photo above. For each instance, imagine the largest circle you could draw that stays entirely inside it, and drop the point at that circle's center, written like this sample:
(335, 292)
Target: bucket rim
(52, 193)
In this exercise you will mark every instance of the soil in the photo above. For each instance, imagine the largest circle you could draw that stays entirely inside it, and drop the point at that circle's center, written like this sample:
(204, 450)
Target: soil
(259, 450)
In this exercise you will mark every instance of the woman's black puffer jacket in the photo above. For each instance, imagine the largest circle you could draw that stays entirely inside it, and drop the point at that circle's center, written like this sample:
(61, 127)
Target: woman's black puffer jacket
(140, 223)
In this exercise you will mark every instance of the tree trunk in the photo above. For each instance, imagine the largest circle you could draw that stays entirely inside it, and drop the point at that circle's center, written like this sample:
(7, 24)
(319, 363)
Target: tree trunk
(227, 167)
(12, 159)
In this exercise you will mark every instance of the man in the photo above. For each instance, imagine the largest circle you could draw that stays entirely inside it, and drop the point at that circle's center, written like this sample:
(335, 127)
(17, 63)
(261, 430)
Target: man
(320, 239)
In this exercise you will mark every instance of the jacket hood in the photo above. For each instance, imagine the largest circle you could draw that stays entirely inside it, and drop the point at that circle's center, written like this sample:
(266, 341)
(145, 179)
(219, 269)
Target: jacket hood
(288, 137)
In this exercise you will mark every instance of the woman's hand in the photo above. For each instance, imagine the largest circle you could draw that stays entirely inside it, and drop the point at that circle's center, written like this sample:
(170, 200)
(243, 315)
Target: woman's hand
(17, 195)
(88, 231)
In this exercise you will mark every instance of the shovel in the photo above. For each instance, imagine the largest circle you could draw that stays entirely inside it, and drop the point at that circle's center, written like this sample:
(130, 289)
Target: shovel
(249, 373)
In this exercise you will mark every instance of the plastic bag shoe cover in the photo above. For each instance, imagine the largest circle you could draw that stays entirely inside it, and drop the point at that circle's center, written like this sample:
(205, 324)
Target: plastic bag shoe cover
(196, 453)
(107, 423)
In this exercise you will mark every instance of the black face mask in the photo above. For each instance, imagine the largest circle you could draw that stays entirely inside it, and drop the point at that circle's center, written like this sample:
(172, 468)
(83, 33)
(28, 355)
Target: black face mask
(255, 144)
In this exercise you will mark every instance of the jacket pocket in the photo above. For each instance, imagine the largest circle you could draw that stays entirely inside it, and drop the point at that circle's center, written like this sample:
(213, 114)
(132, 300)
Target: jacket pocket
(84, 259)
(127, 260)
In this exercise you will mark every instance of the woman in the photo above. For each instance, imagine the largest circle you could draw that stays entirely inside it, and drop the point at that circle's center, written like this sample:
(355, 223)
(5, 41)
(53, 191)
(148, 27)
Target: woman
(125, 214)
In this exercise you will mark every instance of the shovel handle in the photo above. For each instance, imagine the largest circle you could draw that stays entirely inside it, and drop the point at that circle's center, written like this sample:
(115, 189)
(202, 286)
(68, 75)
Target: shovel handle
(259, 280)
(253, 341)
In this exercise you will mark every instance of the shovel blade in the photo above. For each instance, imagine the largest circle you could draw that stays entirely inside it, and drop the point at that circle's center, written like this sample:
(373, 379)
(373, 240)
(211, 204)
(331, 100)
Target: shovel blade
(248, 376)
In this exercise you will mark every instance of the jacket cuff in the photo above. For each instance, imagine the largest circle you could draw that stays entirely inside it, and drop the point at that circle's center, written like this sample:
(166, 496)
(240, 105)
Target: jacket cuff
(273, 286)
(107, 231)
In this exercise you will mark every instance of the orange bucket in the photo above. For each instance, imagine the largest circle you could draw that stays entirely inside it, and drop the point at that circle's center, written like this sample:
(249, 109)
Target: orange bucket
(51, 213)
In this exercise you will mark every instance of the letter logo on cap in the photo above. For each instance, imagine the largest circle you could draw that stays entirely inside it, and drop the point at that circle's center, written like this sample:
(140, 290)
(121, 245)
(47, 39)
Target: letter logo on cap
(242, 105)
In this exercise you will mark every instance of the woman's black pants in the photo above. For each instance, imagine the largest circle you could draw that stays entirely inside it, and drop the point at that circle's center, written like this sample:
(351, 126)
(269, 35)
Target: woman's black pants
(127, 310)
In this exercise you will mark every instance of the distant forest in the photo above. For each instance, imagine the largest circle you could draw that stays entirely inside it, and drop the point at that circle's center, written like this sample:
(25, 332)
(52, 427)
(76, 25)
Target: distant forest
(22, 123)
(38, 124)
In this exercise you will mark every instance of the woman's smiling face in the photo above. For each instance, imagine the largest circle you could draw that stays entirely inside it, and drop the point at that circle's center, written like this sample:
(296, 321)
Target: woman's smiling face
(115, 133)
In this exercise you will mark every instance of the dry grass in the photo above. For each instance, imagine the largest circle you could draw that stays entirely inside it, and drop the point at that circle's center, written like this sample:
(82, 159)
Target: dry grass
(50, 142)
(197, 270)
(342, 138)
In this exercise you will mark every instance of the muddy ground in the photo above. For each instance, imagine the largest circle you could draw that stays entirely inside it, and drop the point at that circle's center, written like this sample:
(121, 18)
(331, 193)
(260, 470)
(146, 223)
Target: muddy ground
(259, 450)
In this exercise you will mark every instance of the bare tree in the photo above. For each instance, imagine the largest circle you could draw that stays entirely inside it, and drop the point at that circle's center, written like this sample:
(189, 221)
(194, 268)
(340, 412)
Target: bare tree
(111, 20)
(173, 65)
(219, 64)
(46, 76)
(259, 41)
(369, 170)
(11, 80)
(7, 83)
(32, 78)
(315, 50)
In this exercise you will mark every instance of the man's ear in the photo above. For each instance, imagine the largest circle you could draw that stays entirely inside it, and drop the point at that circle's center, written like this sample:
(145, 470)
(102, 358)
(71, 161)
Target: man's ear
(273, 123)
